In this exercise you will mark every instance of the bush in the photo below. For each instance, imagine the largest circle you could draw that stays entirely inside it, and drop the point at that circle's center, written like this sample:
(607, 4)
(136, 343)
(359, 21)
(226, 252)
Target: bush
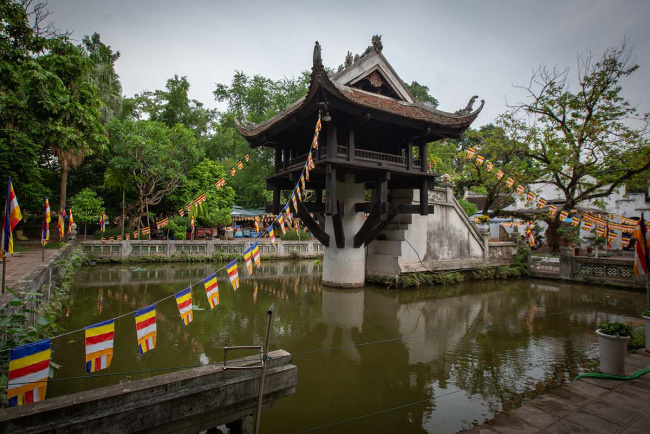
(468, 207)
(292, 236)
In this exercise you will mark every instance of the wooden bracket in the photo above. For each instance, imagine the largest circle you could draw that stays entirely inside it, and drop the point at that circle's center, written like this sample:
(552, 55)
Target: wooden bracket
(311, 224)
(337, 221)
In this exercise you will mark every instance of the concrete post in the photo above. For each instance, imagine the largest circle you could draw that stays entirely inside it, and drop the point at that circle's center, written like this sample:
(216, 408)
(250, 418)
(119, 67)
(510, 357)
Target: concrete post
(485, 233)
(346, 267)
(566, 262)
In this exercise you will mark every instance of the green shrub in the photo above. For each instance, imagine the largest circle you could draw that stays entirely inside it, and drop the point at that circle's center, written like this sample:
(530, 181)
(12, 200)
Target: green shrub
(292, 236)
(616, 328)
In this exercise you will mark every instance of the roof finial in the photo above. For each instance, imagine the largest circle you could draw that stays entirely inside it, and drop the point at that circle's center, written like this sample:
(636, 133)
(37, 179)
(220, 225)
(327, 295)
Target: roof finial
(468, 109)
(318, 61)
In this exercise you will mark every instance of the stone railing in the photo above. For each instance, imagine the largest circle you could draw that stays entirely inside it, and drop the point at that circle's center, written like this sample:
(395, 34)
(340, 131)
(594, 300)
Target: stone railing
(169, 248)
(605, 271)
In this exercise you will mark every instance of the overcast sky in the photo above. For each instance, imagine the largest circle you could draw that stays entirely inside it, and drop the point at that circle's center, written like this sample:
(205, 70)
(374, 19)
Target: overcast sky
(456, 48)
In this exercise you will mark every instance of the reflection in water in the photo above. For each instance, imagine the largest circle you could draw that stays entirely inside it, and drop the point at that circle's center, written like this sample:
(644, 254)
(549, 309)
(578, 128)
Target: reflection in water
(462, 352)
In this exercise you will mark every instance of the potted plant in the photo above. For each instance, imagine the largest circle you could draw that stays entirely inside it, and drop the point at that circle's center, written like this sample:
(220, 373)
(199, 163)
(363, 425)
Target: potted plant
(612, 344)
(646, 321)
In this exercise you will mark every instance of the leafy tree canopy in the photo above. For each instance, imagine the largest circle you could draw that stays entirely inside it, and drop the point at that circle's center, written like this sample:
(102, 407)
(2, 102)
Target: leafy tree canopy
(421, 93)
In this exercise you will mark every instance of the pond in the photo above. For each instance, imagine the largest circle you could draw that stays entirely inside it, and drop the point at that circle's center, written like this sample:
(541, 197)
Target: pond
(432, 359)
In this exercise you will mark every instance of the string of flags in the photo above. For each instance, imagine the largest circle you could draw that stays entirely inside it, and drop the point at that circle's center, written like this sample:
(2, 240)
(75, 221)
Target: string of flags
(29, 364)
(587, 223)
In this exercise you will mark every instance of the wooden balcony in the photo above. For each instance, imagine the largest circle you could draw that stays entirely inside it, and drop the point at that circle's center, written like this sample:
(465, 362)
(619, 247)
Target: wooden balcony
(362, 157)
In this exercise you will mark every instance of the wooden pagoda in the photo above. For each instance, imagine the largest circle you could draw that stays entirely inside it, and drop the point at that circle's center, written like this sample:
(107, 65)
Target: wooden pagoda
(373, 138)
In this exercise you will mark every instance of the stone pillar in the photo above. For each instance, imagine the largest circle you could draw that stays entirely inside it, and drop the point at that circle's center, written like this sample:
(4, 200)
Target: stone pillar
(485, 233)
(566, 260)
(346, 267)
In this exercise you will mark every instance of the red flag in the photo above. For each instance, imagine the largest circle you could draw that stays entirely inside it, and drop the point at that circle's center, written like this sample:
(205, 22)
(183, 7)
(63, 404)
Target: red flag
(641, 254)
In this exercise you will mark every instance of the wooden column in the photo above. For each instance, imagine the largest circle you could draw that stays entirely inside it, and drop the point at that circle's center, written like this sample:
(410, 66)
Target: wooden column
(278, 159)
(331, 141)
(424, 197)
(351, 156)
(423, 155)
(330, 189)
(276, 198)
(285, 157)
(409, 156)
(382, 194)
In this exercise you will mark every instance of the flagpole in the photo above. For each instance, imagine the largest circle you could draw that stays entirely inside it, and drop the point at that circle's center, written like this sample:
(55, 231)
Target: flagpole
(4, 263)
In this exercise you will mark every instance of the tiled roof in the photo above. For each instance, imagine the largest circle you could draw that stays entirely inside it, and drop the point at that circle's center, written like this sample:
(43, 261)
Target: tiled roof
(320, 82)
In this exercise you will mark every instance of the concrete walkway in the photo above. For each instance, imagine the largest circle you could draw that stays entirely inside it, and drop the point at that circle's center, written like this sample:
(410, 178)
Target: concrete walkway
(21, 264)
(588, 405)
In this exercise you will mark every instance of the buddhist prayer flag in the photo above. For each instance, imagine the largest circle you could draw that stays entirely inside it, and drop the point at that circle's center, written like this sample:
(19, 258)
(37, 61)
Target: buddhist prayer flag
(110, 239)
(135, 234)
(530, 234)
(256, 255)
(192, 226)
(29, 367)
(188, 207)
(11, 218)
(212, 290)
(162, 223)
(220, 183)
(281, 221)
(298, 192)
(233, 171)
(297, 228)
(587, 226)
(500, 174)
(232, 274)
(489, 166)
(104, 240)
(102, 222)
(240, 165)
(314, 142)
(61, 223)
(541, 202)
(181, 212)
(184, 302)
(310, 161)
(510, 182)
(127, 236)
(45, 236)
(70, 222)
(575, 221)
(294, 202)
(470, 153)
(531, 196)
(145, 325)
(520, 189)
(257, 224)
(480, 159)
(246, 157)
(552, 210)
(249, 261)
(641, 253)
(272, 234)
(600, 232)
(99, 345)
(119, 237)
(146, 230)
(563, 216)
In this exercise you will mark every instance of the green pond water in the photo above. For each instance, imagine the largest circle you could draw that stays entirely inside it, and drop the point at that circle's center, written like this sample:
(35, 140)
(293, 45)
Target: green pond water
(447, 356)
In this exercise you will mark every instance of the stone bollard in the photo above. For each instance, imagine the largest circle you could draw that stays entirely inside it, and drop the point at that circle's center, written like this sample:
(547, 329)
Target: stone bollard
(566, 260)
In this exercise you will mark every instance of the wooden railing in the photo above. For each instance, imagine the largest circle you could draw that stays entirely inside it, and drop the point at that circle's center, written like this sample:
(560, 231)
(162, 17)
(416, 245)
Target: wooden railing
(379, 156)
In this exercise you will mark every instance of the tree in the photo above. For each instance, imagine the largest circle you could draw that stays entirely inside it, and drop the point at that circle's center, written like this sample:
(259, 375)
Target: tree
(491, 142)
(589, 140)
(421, 93)
(104, 77)
(87, 207)
(201, 179)
(154, 158)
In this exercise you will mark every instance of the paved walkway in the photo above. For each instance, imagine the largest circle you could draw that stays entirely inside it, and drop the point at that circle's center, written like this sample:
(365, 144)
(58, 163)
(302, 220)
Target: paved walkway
(588, 405)
(22, 264)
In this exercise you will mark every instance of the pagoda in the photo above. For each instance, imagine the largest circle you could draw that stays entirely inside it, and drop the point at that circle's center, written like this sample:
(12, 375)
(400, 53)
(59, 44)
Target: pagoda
(373, 141)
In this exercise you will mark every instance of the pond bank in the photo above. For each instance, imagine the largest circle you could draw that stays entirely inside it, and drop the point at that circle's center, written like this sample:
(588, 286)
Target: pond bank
(584, 406)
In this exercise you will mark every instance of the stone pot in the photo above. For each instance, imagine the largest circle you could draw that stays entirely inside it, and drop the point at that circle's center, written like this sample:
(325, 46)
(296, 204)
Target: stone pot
(646, 322)
(612, 353)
